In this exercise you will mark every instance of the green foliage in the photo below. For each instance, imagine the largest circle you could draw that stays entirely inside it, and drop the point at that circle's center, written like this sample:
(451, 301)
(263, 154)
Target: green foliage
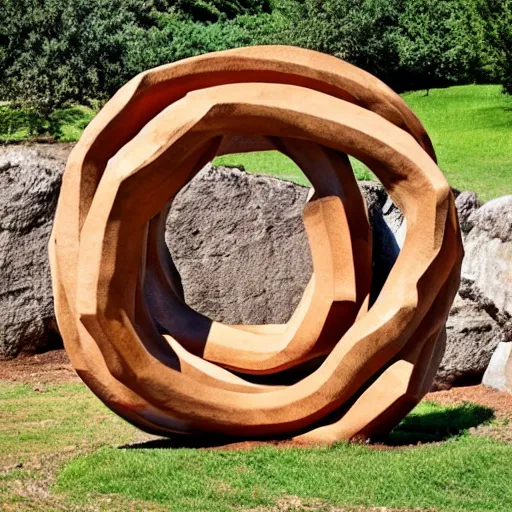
(359, 31)
(55, 53)
(173, 39)
(409, 44)
(438, 43)
(63, 125)
(218, 10)
(496, 54)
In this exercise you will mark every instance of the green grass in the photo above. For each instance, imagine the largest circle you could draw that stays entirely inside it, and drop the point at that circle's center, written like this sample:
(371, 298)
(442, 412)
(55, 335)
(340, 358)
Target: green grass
(279, 165)
(471, 127)
(61, 449)
(465, 474)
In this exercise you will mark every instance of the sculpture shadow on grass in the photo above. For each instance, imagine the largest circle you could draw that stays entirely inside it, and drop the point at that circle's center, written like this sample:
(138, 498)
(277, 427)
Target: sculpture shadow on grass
(437, 425)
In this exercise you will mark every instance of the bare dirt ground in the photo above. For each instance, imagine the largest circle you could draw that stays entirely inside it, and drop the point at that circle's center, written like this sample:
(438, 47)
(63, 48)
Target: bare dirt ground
(51, 367)
(501, 403)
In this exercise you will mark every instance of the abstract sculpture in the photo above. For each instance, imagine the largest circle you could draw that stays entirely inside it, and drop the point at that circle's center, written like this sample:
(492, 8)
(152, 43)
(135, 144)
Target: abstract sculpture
(164, 367)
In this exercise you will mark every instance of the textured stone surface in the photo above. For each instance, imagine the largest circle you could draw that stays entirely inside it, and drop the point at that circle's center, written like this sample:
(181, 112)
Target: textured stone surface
(240, 246)
(474, 328)
(29, 188)
(488, 247)
(260, 278)
(499, 372)
(467, 203)
(480, 317)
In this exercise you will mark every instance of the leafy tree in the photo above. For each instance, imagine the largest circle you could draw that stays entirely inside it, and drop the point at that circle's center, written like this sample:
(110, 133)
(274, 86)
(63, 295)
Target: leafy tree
(55, 53)
(496, 16)
(439, 42)
(359, 31)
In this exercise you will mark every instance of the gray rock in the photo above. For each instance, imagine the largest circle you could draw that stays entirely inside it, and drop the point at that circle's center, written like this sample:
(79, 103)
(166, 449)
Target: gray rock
(29, 188)
(482, 320)
(499, 372)
(240, 246)
(474, 328)
(480, 316)
(467, 203)
(239, 243)
(488, 248)
(388, 232)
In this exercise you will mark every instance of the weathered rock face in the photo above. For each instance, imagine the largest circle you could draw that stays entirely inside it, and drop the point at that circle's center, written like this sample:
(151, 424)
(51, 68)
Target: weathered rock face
(488, 247)
(239, 243)
(499, 372)
(466, 203)
(488, 267)
(474, 328)
(240, 246)
(480, 316)
(29, 188)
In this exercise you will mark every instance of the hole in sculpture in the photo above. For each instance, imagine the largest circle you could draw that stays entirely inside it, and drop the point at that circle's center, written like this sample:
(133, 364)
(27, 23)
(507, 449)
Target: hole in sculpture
(240, 246)
(331, 294)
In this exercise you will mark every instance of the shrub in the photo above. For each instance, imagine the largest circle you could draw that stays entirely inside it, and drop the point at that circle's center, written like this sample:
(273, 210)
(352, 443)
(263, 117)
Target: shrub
(174, 39)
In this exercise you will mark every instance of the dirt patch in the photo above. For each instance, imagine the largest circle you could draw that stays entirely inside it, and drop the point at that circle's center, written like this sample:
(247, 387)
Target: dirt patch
(500, 402)
(50, 367)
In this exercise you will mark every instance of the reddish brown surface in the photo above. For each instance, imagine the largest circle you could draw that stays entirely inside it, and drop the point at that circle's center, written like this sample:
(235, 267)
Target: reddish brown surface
(501, 403)
(53, 367)
(156, 133)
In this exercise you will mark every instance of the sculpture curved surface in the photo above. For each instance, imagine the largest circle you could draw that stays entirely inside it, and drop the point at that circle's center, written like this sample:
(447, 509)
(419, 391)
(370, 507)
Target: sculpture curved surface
(119, 302)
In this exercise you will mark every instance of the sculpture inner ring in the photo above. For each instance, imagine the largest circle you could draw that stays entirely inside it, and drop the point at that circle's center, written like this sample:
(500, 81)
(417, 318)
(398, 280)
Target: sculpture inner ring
(164, 367)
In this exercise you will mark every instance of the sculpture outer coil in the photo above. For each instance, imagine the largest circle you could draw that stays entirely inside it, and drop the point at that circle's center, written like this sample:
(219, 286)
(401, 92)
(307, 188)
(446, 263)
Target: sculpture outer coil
(119, 301)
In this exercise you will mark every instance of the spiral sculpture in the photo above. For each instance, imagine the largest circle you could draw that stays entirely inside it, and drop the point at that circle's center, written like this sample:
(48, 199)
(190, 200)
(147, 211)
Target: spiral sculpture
(118, 296)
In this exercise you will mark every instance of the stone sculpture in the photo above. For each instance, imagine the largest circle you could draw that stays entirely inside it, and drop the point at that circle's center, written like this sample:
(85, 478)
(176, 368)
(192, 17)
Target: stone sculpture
(342, 366)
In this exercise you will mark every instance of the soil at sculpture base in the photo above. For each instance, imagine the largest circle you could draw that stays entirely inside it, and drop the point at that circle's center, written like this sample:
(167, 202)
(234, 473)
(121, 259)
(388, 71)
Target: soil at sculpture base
(54, 367)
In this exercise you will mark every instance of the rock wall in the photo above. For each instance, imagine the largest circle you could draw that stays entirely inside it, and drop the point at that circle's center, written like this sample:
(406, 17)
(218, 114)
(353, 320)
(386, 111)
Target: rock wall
(239, 243)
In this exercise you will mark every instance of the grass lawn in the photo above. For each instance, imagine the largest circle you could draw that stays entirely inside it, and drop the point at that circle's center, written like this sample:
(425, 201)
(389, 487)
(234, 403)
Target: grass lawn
(61, 449)
(471, 127)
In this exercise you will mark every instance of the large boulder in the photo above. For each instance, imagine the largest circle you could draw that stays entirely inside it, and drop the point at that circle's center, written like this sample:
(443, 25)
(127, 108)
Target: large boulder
(480, 317)
(474, 329)
(240, 246)
(29, 188)
(488, 248)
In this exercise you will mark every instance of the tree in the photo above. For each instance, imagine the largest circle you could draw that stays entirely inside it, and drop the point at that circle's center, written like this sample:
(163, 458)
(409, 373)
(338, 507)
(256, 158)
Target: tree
(358, 31)
(439, 43)
(56, 53)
